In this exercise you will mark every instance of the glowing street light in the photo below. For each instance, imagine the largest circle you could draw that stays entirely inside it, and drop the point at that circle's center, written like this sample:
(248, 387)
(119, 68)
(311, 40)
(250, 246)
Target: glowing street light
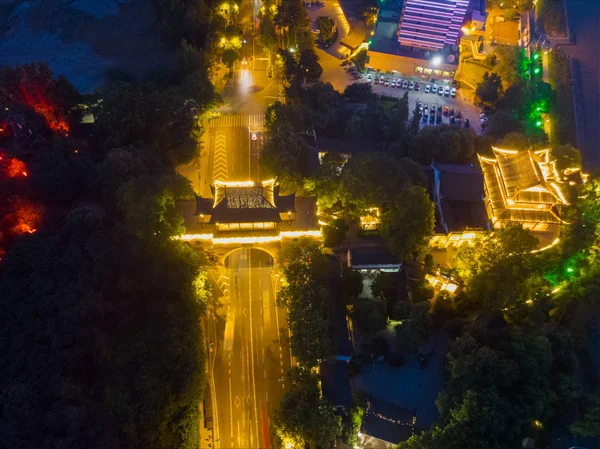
(292, 50)
(436, 61)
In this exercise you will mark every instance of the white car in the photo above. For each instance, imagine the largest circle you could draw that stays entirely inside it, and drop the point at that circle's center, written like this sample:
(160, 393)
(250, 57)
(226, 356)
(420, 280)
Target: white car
(369, 78)
(440, 91)
(434, 89)
(453, 92)
(411, 86)
(393, 84)
(427, 88)
(254, 136)
(405, 84)
(447, 91)
(381, 80)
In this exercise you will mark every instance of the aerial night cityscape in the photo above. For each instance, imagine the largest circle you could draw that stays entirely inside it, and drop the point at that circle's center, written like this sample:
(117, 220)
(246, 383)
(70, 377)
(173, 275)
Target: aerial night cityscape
(293, 224)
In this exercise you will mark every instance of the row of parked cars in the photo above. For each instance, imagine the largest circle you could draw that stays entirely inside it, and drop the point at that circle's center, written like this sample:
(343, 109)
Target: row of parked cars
(313, 3)
(435, 113)
(413, 85)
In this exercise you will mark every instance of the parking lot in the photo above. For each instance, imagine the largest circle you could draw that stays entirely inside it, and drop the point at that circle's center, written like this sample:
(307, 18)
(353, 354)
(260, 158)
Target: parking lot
(468, 111)
(397, 86)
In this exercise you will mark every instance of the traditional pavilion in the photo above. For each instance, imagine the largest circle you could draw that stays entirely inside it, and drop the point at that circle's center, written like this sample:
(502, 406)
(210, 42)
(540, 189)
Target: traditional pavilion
(245, 206)
(525, 187)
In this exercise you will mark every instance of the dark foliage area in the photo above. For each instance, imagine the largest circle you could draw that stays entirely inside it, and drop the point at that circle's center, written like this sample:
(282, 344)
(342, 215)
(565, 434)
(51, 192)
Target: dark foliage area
(100, 340)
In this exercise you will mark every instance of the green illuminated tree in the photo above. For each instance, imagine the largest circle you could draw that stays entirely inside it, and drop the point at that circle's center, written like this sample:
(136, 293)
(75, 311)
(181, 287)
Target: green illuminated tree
(309, 315)
(369, 316)
(267, 36)
(408, 224)
(489, 89)
(511, 65)
(500, 272)
(302, 261)
(371, 180)
(303, 415)
(229, 57)
(286, 156)
(334, 233)
(308, 66)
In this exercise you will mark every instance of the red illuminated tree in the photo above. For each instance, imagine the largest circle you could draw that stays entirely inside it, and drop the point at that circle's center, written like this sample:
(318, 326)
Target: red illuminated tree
(16, 168)
(34, 86)
(25, 216)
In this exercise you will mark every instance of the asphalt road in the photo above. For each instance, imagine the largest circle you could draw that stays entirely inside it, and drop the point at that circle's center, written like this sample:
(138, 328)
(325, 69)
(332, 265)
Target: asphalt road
(584, 16)
(252, 352)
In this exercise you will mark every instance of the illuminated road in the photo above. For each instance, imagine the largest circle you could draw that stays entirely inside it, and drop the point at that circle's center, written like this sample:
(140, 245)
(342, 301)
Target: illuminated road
(252, 352)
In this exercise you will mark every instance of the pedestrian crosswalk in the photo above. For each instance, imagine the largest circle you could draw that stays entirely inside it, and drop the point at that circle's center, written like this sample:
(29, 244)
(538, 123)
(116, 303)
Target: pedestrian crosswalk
(233, 121)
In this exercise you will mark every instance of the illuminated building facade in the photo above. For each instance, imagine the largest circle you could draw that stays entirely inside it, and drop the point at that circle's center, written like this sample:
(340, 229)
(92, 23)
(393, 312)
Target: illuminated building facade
(431, 24)
(526, 187)
(245, 207)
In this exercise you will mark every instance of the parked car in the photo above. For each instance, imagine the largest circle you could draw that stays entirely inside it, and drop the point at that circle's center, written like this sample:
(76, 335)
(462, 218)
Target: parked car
(438, 119)
(425, 111)
(445, 110)
(381, 80)
(393, 83)
(433, 109)
(427, 88)
(369, 78)
(417, 86)
(432, 118)
(458, 113)
(405, 84)
(452, 121)
(386, 83)
(420, 105)
(434, 89)
(467, 123)
(447, 91)
(451, 112)
(399, 84)
(439, 112)
(453, 92)
(440, 91)
(411, 85)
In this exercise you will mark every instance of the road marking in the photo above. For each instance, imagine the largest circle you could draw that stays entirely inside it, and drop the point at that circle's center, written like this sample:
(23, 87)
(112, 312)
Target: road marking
(230, 410)
(237, 402)
(252, 343)
(220, 157)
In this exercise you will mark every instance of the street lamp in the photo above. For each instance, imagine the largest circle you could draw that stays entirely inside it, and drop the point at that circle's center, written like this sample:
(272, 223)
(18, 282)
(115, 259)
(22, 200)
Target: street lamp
(291, 50)
(436, 61)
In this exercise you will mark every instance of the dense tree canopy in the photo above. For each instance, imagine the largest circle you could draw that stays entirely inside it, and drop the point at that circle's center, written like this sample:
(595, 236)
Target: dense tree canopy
(304, 419)
(306, 295)
(408, 225)
(112, 357)
(508, 375)
(287, 157)
(99, 308)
